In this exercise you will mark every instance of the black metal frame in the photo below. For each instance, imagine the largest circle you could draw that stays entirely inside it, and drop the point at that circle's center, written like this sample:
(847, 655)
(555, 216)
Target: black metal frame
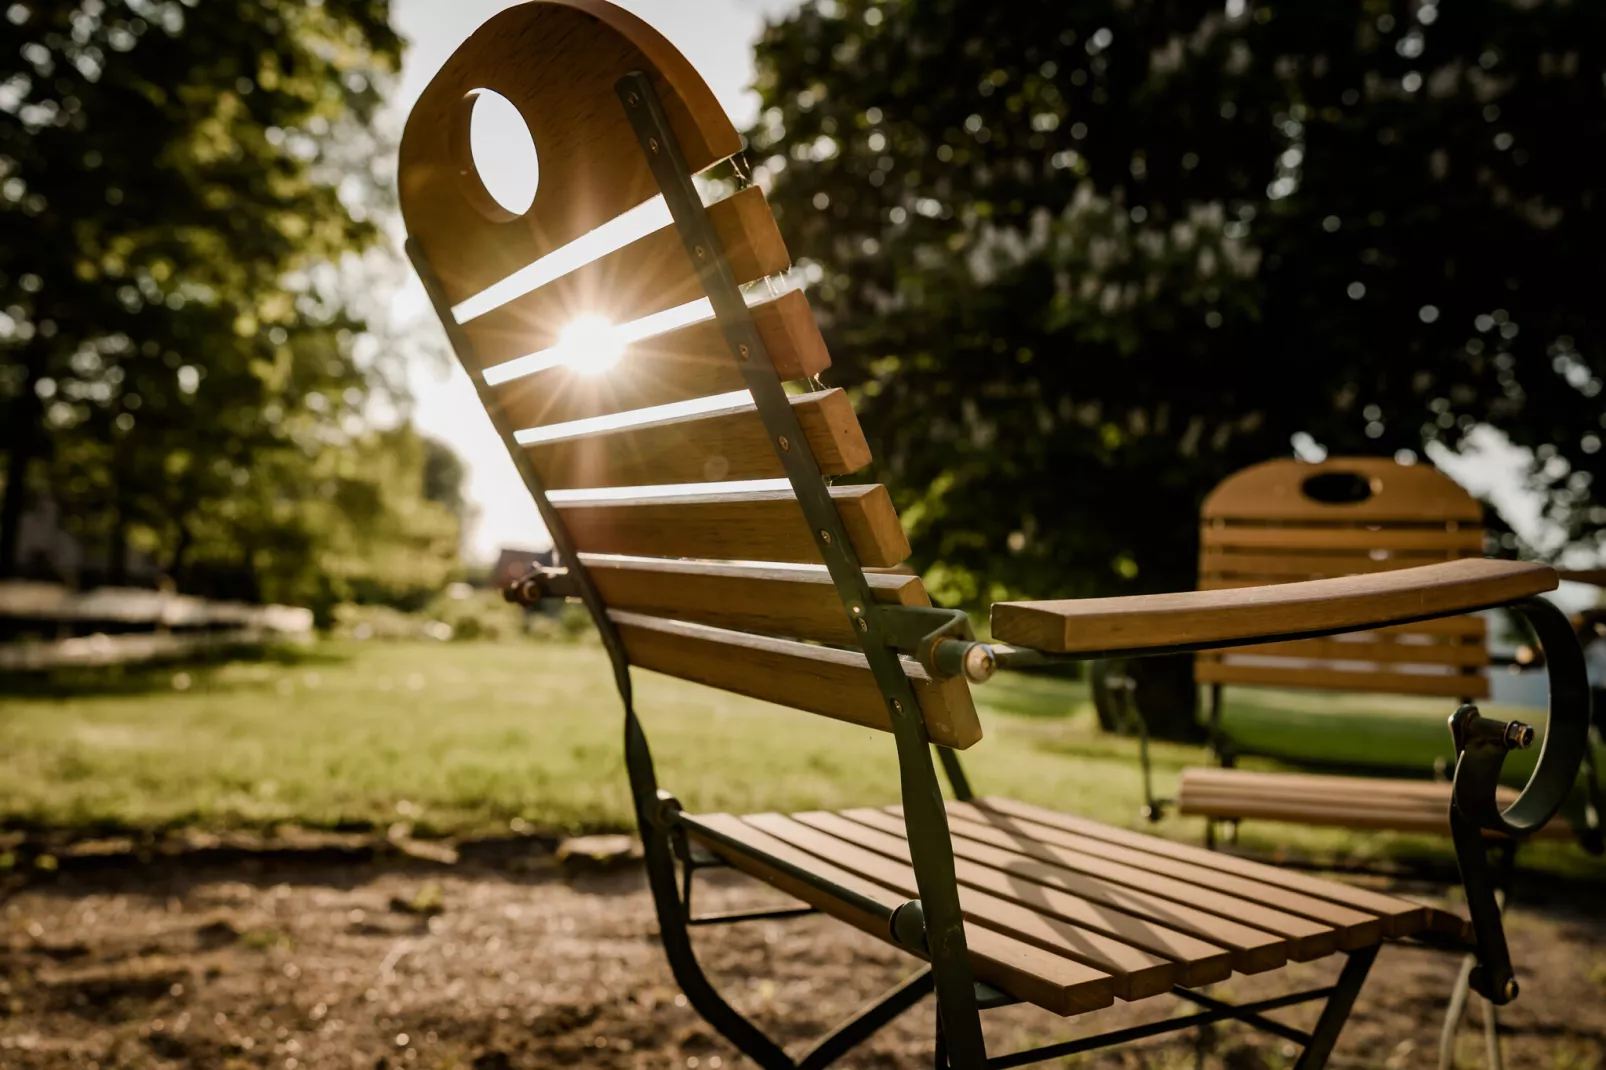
(932, 926)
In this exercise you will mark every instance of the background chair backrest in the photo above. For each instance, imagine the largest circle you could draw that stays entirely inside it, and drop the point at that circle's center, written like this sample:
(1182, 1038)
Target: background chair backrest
(704, 580)
(1287, 520)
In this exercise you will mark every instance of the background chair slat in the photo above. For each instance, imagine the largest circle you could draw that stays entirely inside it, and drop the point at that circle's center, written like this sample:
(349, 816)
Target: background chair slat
(734, 526)
(823, 680)
(726, 444)
(796, 601)
(1457, 543)
(1214, 669)
(691, 362)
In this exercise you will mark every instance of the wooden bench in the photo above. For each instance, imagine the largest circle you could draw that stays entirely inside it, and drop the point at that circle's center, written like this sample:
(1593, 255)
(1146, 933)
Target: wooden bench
(773, 590)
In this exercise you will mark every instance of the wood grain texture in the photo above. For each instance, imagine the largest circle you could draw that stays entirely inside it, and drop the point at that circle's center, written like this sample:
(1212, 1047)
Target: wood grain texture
(1400, 916)
(649, 275)
(1267, 567)
(833, 683)
(1034, 881)
(691, 362)
(1275, 491)
(1197, 961)
(1050, 981)
(1225, 669)
(725, 444)
(557, 62)
(1459, 654)
(1459, 542)
(1306, 939)
(762, 525)
(1245, 614)
(795, 601)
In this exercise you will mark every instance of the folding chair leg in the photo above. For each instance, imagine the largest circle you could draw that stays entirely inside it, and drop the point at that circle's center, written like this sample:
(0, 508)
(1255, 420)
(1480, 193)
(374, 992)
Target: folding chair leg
(1455, 1012)
(1491, 1036)
(1336, 1013)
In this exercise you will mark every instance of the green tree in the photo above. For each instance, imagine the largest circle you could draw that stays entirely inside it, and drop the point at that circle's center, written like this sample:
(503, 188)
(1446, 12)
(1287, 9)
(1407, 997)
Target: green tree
(185, 188)
(1081, 259)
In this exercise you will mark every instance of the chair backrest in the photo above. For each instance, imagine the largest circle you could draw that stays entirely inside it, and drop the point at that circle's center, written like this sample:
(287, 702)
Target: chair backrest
(703, 578)
(1287, 520)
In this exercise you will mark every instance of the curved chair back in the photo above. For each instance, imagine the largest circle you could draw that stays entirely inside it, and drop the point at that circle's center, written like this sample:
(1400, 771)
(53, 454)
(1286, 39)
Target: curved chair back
(1288, 520)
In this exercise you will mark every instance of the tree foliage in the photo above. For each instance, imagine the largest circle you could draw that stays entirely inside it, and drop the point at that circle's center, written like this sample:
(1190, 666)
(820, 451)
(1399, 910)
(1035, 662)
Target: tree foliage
(187, 189)
(1081, 259)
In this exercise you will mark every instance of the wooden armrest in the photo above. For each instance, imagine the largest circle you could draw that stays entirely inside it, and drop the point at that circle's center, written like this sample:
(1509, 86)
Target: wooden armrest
(1203, 619)
(1595, 576)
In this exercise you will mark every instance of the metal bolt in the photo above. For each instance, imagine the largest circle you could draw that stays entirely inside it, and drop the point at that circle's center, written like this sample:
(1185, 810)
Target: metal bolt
(633, 100)
(742, 352)
(1511, 990)
(652, 144)
(1519, 736)
(897, 707)
(701, 253)
(825, 537)
(786, 444)
(864, 625)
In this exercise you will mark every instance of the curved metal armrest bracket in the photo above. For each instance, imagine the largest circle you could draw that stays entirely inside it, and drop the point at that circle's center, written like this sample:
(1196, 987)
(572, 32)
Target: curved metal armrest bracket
(1481, 745)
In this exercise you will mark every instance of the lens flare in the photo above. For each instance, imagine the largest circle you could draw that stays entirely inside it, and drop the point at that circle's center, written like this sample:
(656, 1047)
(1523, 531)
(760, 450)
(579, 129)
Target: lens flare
(591, 345)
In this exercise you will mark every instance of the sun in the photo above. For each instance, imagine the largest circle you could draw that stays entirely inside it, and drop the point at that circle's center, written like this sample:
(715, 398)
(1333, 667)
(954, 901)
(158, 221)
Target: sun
(591, 345)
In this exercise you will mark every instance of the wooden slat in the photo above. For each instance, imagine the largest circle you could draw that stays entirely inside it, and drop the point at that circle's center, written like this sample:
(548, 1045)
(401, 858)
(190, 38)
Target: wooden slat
(727, 444)
(691, 362)
(823, 680)
(1036, 882)
(1348, 603)
(1355, 928)
(764, 525)
(1050, 981)
(1307, 939)
(796, 601)
(1466, 655)
(1260, 537)
(1400, 916)
(1216, 670)
(1361, 787)
(557, 63)
(1280, 568)
(1337, 815)
(1137, 974)
(649, 275)
(1275, 491)
(1197, 961)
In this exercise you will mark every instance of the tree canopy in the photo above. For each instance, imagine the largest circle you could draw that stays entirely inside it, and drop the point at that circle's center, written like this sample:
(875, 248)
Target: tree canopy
(187, 190)
(1081, 259)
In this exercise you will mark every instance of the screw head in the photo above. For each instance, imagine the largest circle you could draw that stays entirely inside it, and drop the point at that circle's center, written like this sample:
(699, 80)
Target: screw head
(825, 536)
(897, 706)
(785, 444)
(863, 624)
(701, 253)
(742, 351)
(1511, 989)
(652, 144)
(633, 100)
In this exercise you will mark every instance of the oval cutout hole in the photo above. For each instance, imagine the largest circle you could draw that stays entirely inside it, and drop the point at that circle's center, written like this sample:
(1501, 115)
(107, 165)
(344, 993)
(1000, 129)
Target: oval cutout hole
(1337, 488)
(502, 154)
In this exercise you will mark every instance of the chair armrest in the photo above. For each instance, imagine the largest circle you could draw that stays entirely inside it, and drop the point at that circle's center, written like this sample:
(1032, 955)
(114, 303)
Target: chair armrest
(1593, 576)
(1198, 620)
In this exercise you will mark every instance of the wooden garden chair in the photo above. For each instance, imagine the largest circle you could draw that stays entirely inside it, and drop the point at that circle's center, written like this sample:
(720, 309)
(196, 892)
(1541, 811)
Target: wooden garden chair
(768, 590)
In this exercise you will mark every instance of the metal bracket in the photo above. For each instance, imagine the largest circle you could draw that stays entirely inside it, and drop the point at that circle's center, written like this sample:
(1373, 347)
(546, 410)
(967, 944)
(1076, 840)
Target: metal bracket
(942, 640)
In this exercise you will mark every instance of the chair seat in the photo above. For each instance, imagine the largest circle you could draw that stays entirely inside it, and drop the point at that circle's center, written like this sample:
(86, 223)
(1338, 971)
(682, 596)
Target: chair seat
(1067, 913)
(1338, 801)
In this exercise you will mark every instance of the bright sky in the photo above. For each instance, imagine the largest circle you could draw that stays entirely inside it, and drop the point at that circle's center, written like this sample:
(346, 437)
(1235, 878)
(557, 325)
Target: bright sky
(717, 36)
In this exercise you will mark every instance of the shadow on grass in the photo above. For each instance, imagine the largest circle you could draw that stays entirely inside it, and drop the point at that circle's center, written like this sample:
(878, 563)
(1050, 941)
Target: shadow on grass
(154, 676)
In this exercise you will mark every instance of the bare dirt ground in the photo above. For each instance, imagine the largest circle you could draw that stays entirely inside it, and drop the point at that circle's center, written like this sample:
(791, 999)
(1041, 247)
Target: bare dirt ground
(521, 963)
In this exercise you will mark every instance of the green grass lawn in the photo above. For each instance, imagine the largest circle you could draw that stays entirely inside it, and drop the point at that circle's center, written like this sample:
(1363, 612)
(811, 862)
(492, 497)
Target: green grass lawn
(466, 737)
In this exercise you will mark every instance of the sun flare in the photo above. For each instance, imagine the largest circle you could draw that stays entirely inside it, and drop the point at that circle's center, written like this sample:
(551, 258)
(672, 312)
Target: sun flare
(591, 345)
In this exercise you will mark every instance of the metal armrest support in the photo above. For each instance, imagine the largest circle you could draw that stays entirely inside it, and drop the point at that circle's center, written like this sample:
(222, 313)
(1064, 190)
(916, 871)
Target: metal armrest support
(1481, 746)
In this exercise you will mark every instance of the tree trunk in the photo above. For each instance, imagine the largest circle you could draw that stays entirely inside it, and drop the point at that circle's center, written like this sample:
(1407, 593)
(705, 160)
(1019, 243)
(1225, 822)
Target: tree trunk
(22, 449)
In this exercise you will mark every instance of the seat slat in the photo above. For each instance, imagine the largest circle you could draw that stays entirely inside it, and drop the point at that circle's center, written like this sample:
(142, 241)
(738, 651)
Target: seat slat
(1401, 917)
(1050, 981)
(1137, 974)
(1197, 961)
(690, 362)
(796, 601)
(1355, 928)
(726, 444)
(823, 680)
(649, 275)
(1451, 544)
(1464, 655)
(1213, 669)
(1032, 879)
(765, 525)
(1307, 939)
